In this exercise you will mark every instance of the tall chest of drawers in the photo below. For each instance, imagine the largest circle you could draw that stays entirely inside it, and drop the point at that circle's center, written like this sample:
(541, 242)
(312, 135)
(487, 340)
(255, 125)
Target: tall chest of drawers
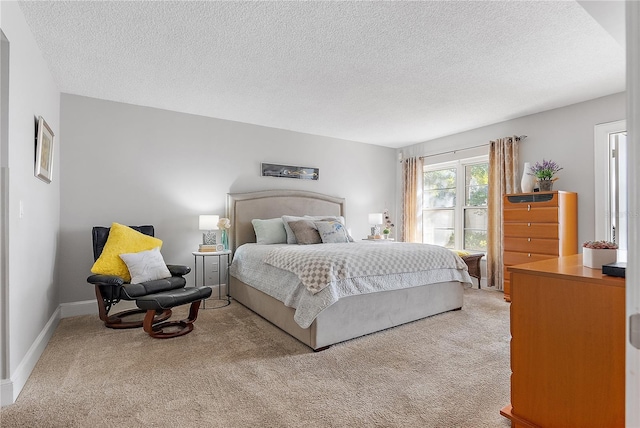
(538, 226)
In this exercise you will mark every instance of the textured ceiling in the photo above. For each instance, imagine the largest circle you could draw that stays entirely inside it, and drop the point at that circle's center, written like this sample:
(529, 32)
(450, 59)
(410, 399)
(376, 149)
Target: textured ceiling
(386, 73)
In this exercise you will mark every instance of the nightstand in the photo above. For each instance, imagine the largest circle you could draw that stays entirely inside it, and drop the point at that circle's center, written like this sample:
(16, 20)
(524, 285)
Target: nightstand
(473, 264)
(221, 301)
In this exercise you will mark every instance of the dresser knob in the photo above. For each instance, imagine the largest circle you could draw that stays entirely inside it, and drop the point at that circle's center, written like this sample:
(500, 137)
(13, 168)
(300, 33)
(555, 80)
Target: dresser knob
(529, 255)
(529, 239)
(528, 224)
(528, 207)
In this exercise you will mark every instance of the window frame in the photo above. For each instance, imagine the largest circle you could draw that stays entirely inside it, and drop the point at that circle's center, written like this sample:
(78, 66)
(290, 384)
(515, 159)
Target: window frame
(460, 205)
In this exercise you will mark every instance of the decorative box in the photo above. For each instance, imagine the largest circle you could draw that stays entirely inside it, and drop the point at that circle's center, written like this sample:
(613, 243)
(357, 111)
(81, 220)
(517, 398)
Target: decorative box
(594, 258)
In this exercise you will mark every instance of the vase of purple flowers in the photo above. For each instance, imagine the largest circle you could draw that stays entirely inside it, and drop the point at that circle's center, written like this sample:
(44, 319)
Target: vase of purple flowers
(545, 172)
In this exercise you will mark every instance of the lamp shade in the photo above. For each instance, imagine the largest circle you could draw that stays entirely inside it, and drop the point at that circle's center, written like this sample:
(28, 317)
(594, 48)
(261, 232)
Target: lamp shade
(209, 222)
(375, 218)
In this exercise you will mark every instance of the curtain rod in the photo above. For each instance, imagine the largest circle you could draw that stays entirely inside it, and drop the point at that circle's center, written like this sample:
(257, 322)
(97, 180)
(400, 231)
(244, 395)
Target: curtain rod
(521, 137)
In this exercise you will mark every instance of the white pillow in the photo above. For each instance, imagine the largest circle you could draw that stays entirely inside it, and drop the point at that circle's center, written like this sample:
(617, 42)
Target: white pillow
(332, 232)
(270, 231)
(329, 218)
(326, 218)
(146, 265)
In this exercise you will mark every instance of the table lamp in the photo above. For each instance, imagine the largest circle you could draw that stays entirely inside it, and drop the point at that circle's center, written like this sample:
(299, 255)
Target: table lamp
(375, 219)
(209, 223)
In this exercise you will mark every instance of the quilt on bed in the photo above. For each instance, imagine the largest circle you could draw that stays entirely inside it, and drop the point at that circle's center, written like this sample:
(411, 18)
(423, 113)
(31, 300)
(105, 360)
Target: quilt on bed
(248, 266)
(317, 266)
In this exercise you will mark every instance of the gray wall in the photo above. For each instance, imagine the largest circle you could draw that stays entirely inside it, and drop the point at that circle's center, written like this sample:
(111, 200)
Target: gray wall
(33, 238)
(565, 135)
(139, 165)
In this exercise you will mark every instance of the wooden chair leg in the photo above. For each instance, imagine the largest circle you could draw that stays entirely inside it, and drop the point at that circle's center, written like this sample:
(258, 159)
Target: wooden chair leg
(117, 320)
(184, 326)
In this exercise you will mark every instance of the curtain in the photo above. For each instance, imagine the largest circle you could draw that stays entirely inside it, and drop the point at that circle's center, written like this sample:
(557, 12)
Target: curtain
(503, 179)
(412, 200)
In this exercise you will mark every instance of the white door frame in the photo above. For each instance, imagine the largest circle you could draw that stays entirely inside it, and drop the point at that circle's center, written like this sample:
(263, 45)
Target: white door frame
(632, 412)
(602, 132)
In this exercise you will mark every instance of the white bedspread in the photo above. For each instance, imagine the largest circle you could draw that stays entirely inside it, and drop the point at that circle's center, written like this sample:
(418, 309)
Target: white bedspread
(318, 266)
(285, 286)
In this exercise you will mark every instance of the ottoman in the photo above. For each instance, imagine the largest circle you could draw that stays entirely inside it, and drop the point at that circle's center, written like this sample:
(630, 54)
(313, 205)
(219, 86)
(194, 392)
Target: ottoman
(154, 303)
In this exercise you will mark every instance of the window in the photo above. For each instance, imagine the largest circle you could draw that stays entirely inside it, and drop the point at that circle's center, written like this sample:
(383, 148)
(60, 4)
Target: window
(455, 204)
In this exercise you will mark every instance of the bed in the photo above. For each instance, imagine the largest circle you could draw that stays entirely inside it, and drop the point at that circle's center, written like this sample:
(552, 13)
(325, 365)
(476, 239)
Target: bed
(348, 317)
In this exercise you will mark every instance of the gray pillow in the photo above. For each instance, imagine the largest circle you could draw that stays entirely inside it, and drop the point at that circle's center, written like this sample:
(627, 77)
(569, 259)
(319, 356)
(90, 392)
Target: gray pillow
(305, 231)
(332, 232)
(270, 231)
(291, 237)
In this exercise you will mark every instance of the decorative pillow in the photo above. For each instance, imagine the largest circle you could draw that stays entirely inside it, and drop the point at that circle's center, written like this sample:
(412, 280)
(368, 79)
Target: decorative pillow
(286, 219)
(270, 231)
(121, 240)
(332, 218)
(327, 218)
(332, 232)
(306, 232)
(461, 253)
(146, 265)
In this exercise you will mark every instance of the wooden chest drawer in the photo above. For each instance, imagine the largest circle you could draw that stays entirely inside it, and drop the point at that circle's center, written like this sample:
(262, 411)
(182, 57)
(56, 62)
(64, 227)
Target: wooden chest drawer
(515, 201)
(529, 230)
(516, 258)
(533, 245)
(534, 215)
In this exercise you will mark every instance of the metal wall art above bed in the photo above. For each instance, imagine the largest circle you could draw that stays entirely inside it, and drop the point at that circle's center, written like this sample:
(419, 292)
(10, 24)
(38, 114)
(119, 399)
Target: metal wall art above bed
(288, 171)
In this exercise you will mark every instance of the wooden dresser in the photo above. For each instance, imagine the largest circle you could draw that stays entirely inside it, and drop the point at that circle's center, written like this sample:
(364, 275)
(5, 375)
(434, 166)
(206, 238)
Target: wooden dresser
(538, 226)
(567, 346)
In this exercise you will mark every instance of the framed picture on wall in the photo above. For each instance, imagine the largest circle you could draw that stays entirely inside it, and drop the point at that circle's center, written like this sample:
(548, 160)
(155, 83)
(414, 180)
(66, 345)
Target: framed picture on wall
(44, 151)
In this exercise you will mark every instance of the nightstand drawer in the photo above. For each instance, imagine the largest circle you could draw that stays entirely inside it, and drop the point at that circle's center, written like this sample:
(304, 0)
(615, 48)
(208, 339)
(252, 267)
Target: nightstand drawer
(529, 230)
(533, 245)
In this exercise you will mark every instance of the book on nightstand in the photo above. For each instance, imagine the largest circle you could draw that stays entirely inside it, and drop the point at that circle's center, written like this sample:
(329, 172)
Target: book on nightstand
(205, 248)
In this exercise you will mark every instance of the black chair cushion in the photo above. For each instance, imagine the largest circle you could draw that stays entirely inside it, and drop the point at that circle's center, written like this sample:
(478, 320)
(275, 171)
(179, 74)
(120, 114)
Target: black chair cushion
(133, 291)
(169, 299)
(100, 235)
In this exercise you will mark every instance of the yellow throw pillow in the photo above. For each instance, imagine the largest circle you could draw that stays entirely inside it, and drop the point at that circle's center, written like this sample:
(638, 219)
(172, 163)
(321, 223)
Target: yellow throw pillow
(122, 240)
(461, 253)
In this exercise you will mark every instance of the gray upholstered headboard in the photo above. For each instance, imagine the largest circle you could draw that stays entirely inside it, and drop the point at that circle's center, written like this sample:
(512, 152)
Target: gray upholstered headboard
(244, 207)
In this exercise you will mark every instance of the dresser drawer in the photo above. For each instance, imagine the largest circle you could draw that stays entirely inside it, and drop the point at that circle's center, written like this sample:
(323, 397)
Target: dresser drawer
(533, 215)
(529, 230)
(538, 199)
(532, 245)
(516, 258)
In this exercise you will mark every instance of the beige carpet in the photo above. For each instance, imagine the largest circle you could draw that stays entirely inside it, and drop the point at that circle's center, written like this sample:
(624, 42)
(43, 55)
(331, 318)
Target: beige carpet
(237, 370)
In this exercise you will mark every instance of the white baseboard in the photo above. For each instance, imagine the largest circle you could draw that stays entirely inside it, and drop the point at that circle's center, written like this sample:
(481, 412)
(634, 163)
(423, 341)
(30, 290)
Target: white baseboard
(74, 309)
(11, 387)
(6, 392)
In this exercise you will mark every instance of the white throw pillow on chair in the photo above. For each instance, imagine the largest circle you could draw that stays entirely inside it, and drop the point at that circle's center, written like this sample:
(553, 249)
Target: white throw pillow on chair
(146, 266)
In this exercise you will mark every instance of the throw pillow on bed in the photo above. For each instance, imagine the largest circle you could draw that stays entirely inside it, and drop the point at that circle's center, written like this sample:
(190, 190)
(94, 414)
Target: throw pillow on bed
(332, 218)
(332, 232)
(270, 231)
(326, 218)
(286, 219)
(146, 266)
(305, 232)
